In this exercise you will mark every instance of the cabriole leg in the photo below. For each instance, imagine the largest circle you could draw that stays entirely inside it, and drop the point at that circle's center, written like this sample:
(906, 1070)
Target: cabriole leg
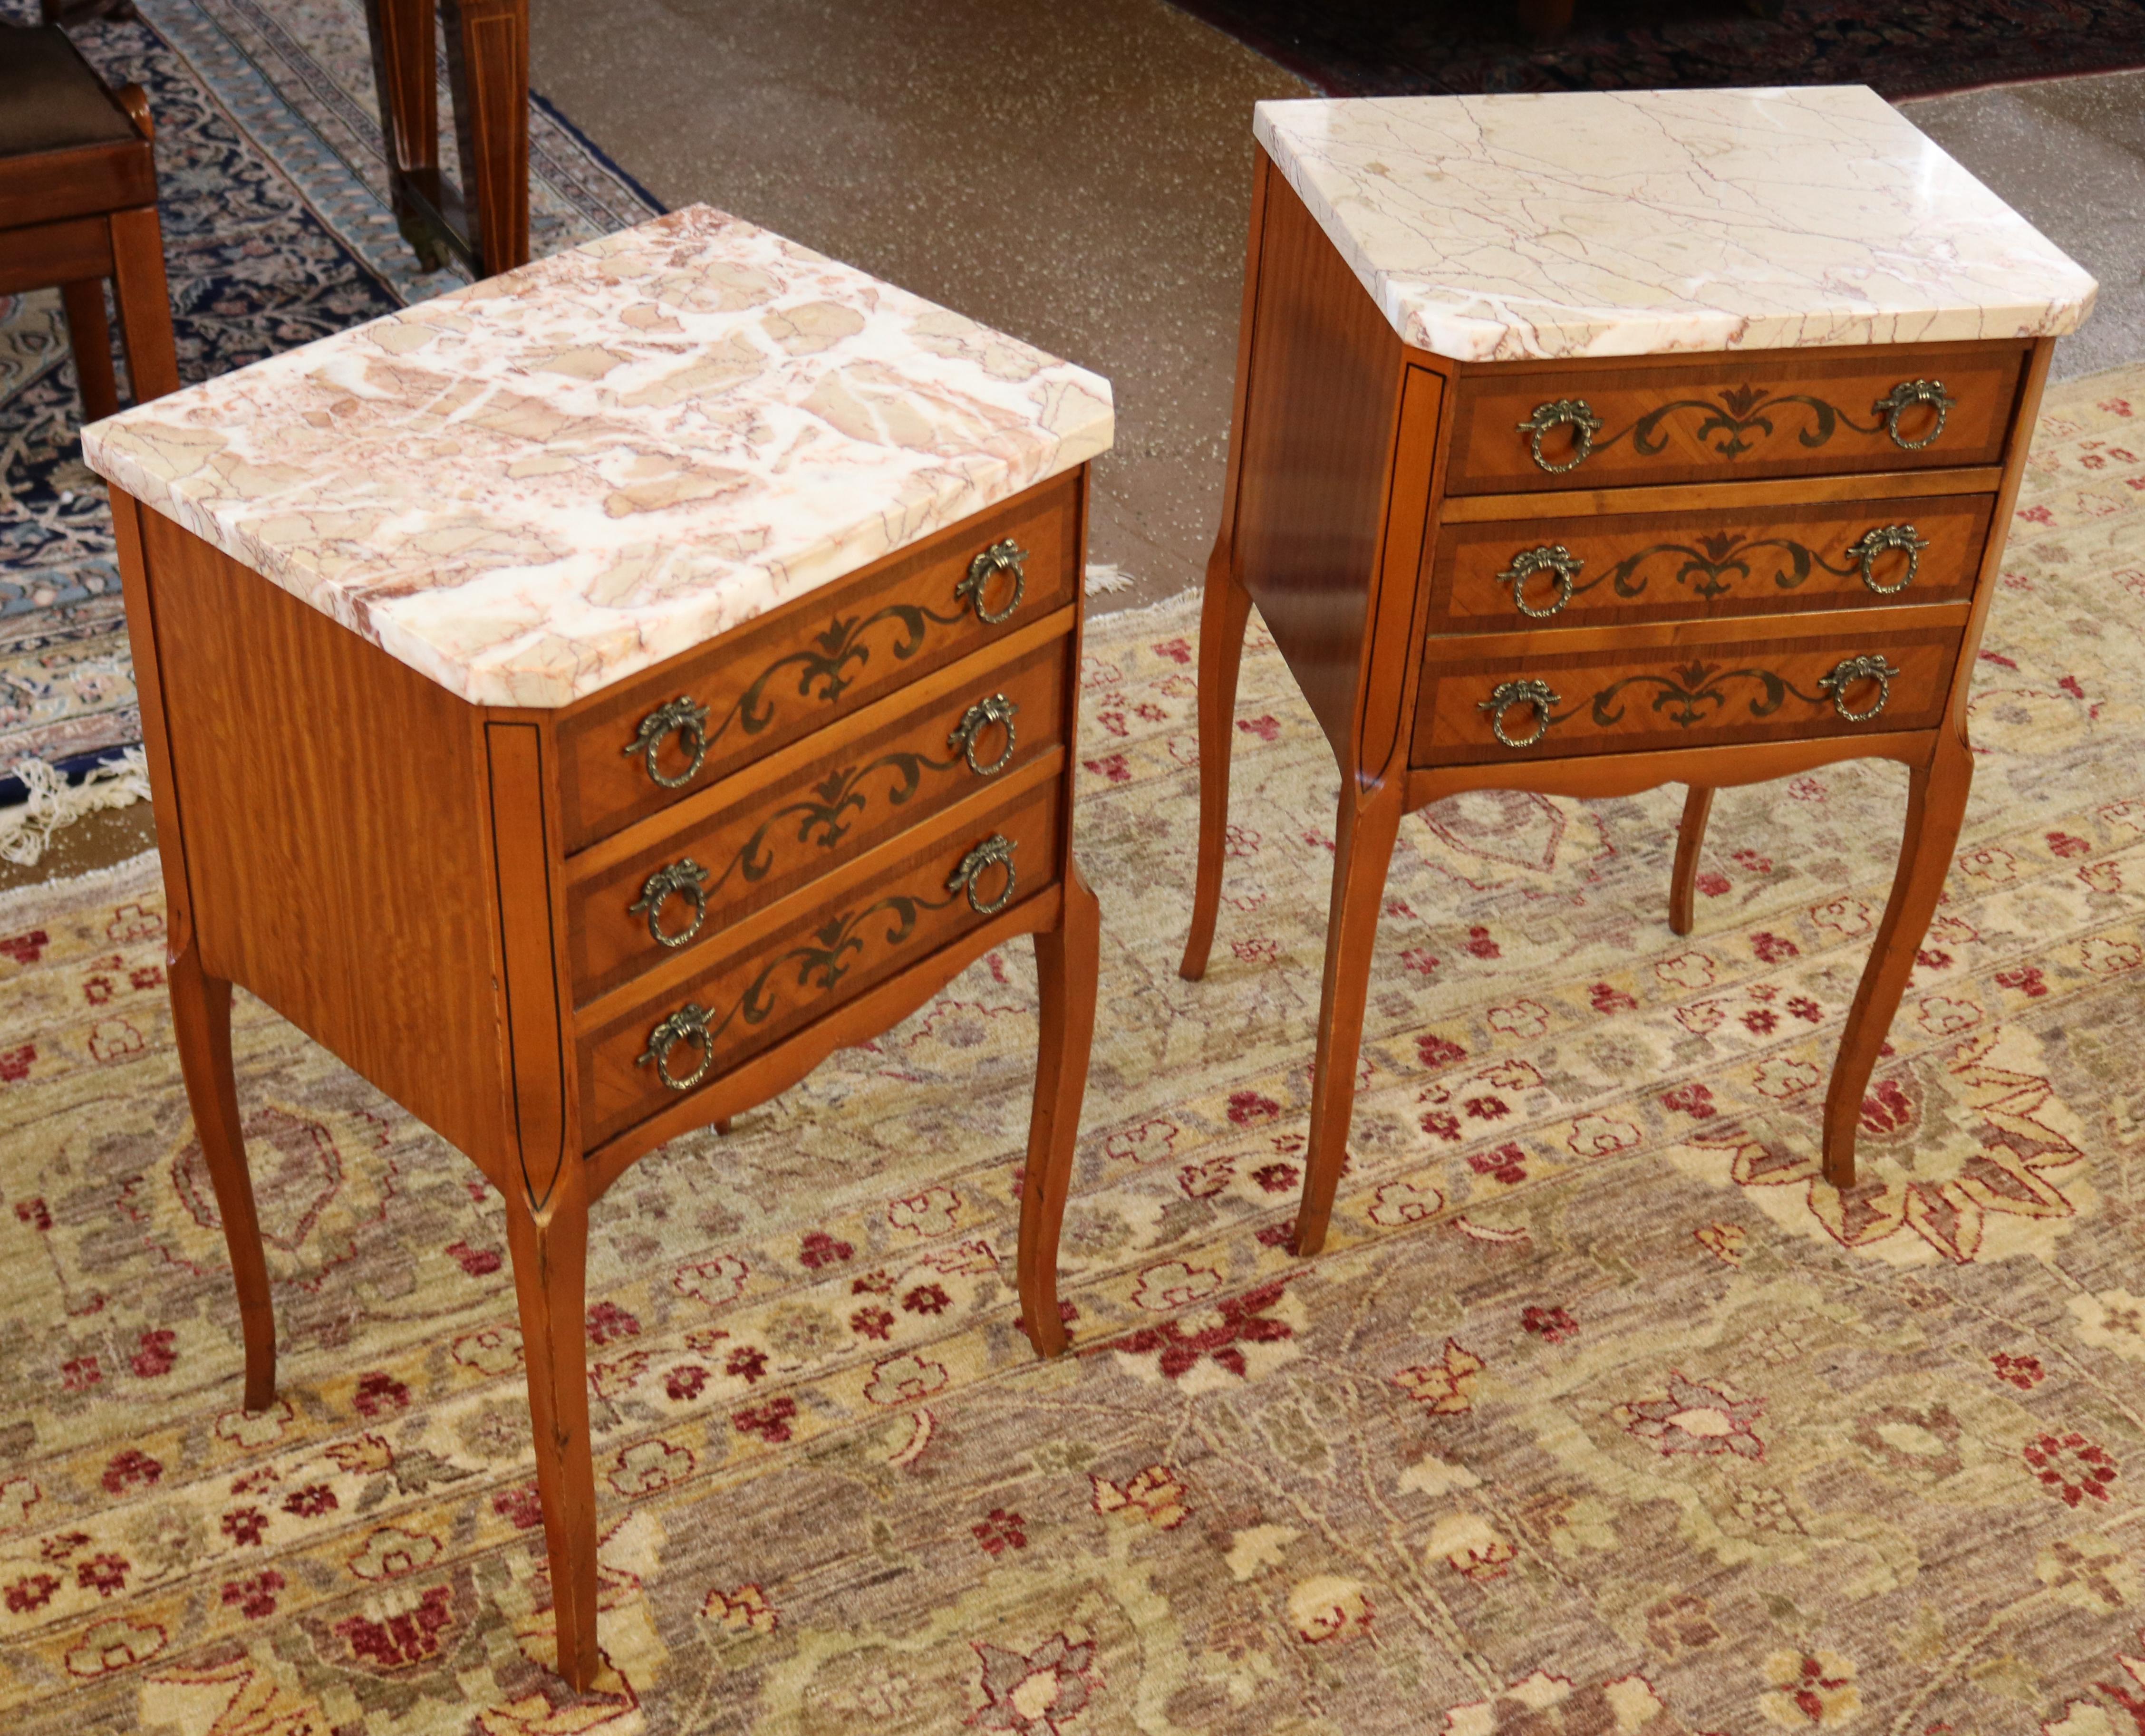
(1369, 823)
(1690, 837)
(1223, 617)
(1936, 807)
(1067, 960)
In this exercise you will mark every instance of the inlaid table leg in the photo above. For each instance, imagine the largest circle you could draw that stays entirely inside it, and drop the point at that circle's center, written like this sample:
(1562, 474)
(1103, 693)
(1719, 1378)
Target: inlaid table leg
(1690, 837)
(1936, 807)
(404, 72)
(201, 1020)
(1067, 961)
(488, 71)
(1223, 616)
(551, 1269)
(1369, 823)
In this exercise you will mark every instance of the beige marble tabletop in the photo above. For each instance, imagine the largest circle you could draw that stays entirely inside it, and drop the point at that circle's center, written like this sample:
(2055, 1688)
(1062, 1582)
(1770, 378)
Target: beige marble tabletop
(1631, 223)
(554, 478)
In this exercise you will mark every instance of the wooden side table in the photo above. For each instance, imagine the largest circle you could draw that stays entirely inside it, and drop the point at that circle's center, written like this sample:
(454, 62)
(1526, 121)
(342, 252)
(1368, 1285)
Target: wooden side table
(1587, 443)
(584, 702)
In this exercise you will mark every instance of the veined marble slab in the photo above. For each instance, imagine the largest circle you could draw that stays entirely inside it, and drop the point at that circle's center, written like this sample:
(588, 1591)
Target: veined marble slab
(1632, 223)
(551, 480)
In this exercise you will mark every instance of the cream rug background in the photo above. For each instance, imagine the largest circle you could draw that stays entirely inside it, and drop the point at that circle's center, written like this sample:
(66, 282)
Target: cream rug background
(1601, 1413)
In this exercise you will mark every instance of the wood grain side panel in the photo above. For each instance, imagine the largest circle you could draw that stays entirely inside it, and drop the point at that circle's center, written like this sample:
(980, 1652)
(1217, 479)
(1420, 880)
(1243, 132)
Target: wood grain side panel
(1697, 565)
(336, 834)
(1741, 414)
(811, 662)
(1318, 424)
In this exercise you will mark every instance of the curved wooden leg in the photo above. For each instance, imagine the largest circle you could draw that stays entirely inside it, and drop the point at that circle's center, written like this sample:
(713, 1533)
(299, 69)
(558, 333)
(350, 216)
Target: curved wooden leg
(1369, 823)
(201, 1021)
(89, 334)
(1936, 806)
(1067, 960)
(1683, 882)
(550, 1269)
(1226, 611)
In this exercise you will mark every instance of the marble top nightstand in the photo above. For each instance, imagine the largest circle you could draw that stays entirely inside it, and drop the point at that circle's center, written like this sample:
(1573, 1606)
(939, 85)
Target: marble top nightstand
(1586, 443)
(583, 702)
(492, 486)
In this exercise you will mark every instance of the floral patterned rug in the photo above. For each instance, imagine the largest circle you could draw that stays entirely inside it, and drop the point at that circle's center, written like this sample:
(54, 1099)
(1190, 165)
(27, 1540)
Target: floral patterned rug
(277, 231)
(1601, 1414)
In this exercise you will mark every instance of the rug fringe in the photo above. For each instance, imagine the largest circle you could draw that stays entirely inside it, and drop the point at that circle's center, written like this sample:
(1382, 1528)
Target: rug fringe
(25, 830)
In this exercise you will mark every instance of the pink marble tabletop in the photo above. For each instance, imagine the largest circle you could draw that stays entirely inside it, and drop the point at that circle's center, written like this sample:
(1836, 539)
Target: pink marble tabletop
(552, 480)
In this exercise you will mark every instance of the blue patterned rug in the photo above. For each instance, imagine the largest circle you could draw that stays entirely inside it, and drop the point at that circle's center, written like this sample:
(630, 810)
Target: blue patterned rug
(277, 231)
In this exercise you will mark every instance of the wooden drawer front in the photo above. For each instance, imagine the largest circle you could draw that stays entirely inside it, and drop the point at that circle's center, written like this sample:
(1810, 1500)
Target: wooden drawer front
(1699, 690)
(1757, 413)
(818, 950)
(1690, 566)
(771, 681)
(805, 811)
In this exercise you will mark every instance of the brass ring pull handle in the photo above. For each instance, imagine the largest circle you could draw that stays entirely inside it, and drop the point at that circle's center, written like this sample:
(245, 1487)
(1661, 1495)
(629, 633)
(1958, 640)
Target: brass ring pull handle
(1573, 413)
(1505, 695)
(980, 716)
(689, 1024)
(690, 722)
(687, 880)
(1003, 557)
(1875, 542)
(1904, 396)
(1850, 670)
(1551, 558)
(997, 848)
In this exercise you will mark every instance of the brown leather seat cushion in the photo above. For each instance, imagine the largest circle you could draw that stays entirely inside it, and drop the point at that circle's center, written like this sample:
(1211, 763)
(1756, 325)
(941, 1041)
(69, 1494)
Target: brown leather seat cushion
(49, 98)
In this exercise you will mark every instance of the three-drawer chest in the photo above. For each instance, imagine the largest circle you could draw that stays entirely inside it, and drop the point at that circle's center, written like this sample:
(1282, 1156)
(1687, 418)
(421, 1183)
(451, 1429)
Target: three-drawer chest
(584, 702)
(1584, 444)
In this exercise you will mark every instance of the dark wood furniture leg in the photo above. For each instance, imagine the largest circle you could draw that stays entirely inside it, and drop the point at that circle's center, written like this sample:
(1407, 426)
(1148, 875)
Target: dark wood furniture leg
(1369, 822)
(488, 71)
(201, 1020)
(1225, 612)
(1936, 807)
(404, 72)
(1068, 959)
(1690, 836)
(89, 333)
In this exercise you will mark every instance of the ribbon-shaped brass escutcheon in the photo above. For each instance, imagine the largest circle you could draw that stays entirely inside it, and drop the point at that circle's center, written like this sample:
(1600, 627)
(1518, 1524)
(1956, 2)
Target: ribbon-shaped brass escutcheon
(1550, 558)
(690, 722)
(1505, 695)
(685, 879)
(1575, 413)
(689, 1024)
(1851, 670)
(1001, 557)
(980, 716)
(1875, 542)
(1903, 397)
(996, 850)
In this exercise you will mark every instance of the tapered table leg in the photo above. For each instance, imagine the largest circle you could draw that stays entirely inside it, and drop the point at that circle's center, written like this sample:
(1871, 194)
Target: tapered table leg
(1223, 616)
(550, 1267)
(1690, 838)
(1369, 823)
(404, 73)
(200, 1019)
(1067, 961)
(488, 71)
(1936, 807)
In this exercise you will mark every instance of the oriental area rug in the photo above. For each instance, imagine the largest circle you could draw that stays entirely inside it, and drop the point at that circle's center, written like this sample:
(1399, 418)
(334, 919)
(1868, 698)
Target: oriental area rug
(1601, 1415)
(273, 185)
